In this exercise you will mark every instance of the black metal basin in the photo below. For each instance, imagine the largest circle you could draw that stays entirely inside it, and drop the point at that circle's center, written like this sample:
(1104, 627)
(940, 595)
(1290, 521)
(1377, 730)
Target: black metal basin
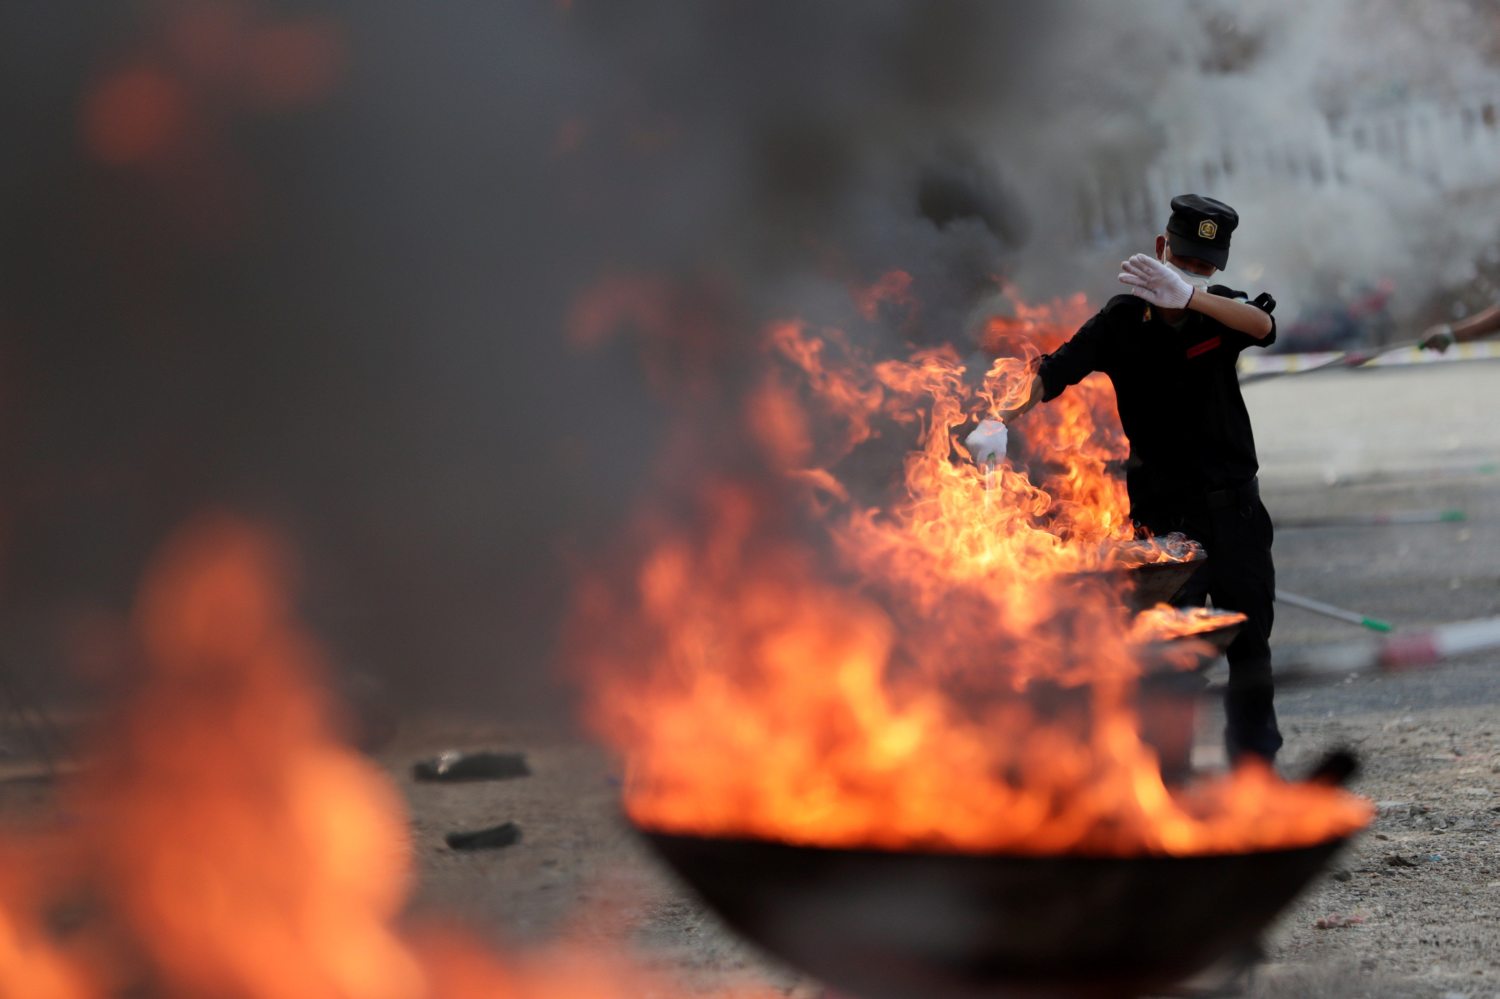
(1144, 585)
(897, 925)
(1223, 628)
(1221, 637)
(1159, 582)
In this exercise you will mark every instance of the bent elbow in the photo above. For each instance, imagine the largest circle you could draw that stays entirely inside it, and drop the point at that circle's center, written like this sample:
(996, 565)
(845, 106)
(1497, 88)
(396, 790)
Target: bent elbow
(1262, 326)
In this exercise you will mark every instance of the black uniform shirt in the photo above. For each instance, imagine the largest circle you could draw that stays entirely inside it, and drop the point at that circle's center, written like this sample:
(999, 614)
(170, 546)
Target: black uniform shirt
(1179, 394)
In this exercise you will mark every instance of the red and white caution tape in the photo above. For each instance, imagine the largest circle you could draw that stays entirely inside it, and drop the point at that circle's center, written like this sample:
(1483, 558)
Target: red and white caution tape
(1257, 365)
(1396, 653)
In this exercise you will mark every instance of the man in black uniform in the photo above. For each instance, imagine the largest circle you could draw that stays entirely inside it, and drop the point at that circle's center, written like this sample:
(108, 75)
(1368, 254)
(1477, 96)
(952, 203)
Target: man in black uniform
(1170, 348)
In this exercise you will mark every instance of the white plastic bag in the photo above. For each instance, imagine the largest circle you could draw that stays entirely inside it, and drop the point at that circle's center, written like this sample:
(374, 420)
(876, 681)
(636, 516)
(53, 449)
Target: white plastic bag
(988, 442)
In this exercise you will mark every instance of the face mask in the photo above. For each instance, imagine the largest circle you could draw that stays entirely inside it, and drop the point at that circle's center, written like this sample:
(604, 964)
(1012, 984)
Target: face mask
(1198, 281)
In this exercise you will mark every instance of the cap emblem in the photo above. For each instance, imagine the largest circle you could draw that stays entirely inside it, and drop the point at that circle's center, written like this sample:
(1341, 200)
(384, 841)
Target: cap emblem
(1208, 229)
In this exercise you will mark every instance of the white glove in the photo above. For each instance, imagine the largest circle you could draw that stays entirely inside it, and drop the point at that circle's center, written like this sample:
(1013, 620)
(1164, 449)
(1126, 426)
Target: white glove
(987, 442)
(1156, 282)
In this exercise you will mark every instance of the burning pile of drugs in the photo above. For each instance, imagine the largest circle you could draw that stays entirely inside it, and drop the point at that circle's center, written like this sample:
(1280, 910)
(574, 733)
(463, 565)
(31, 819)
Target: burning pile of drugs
(880, 681)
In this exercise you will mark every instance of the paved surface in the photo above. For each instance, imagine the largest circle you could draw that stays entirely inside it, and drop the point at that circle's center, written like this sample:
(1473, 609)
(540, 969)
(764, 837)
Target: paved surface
(1351, 443)
(1416, 904)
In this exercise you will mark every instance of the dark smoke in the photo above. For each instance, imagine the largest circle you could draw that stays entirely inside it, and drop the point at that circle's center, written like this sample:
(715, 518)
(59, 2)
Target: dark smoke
(349, 317)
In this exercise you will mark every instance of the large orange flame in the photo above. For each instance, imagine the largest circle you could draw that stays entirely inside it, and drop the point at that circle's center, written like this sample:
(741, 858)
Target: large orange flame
(944, 668)
(1075, 439)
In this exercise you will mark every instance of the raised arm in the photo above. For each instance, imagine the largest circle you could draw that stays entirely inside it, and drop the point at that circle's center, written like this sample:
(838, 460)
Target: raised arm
(1248, 319)
(1160, 285)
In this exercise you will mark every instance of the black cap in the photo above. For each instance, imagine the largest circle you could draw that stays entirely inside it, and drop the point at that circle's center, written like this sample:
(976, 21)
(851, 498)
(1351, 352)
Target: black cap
(1200, 228)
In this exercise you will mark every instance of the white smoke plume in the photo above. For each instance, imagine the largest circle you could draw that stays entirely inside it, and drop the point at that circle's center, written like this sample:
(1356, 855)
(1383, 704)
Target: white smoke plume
(1358, 140)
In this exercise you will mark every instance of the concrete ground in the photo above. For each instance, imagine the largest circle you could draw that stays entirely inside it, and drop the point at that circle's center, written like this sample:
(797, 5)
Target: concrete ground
(1412, 908)
(1416, 902)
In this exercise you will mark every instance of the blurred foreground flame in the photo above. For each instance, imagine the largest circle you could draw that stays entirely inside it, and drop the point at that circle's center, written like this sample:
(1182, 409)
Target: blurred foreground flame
(221, 842)
(243, 847)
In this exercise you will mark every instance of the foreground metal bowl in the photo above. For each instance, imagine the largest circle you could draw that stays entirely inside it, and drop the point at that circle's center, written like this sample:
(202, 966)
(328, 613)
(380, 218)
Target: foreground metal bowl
(896, 925)
(1158, 582)
(1144, 585)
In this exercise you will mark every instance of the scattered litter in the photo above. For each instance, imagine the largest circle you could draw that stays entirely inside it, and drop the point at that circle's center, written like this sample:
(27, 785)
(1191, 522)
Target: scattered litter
(456, 765)
(1434, 858)
(1335, 769)
(1396, 860)
(492, 838)
(1337, 922)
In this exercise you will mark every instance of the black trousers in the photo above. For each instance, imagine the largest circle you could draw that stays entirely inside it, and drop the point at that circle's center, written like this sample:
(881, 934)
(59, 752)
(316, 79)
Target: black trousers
(1239, 575)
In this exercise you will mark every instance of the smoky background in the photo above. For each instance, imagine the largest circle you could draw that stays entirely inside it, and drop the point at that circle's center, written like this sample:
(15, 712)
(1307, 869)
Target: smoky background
(322, 262)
